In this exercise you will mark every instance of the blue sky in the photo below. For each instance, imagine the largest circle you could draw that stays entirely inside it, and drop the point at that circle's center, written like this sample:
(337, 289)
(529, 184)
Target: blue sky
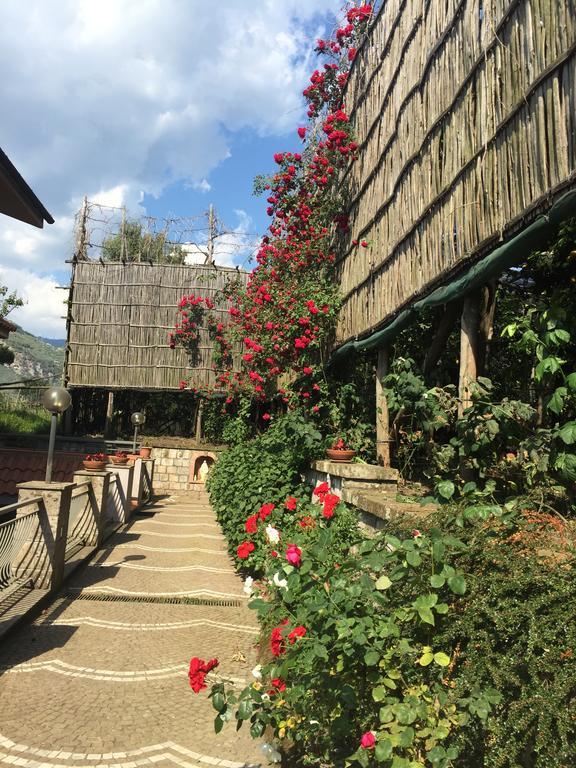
(164, 106)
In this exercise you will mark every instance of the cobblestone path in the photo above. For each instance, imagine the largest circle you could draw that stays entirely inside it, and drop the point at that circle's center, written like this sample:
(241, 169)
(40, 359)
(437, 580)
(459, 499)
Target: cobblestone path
(100, 679)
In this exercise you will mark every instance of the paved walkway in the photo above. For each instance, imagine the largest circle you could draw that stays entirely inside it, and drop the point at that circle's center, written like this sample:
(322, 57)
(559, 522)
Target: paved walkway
(101, 678)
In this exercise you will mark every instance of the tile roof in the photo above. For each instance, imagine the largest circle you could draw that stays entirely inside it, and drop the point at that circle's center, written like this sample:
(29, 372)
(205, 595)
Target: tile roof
(19, 466)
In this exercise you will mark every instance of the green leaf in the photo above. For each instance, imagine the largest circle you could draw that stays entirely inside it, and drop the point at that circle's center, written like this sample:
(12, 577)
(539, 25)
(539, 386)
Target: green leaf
(426, 658)
(457, 584)
(218, 724)
(426, 615)
(379, 693)
(383, 750)
(556, 401)
(244, 710)
(446, 489)
(219, 701)
(571, 380)
(568, 432)
(441, 659)
(413, 558)
(437, 580)
(493, 426)
(256, 730)
(371, 658)
(383, 583)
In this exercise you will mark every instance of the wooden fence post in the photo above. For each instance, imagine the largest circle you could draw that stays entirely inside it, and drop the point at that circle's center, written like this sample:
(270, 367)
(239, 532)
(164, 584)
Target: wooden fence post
(382, 416)
(469, 328)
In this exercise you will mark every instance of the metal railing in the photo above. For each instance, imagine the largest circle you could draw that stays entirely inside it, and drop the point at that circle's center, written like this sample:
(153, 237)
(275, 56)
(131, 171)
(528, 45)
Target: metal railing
(81, 520)
(16, 535)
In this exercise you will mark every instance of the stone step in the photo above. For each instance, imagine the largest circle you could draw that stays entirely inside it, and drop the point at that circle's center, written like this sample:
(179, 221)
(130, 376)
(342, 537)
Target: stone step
(384, 506)
(357, 471)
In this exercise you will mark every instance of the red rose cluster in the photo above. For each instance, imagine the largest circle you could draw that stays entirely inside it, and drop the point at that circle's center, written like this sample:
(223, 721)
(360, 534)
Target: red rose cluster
(198, 671)
(289, 305)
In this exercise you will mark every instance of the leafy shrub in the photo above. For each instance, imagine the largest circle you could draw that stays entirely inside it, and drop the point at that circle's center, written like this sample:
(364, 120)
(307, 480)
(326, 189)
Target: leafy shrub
(352, 636)
(263, 470)
(450, 646)
(515, 631)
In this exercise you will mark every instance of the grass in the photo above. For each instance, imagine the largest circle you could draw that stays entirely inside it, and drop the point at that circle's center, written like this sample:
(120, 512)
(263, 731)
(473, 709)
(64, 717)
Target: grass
(24, 421)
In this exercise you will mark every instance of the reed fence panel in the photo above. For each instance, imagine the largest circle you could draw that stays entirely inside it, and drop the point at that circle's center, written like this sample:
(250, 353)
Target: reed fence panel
(120, 317)
(465, 114)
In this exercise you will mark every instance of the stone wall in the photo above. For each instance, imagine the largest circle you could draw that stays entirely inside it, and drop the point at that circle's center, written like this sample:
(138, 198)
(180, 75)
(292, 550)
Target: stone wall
(171, 469)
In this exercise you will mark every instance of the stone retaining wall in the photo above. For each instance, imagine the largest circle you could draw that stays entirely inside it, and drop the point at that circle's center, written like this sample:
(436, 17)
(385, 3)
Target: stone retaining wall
(171, 469)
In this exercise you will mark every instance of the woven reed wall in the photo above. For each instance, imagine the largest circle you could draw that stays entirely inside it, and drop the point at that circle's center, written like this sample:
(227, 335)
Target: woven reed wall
(465, 113)
(120, 318)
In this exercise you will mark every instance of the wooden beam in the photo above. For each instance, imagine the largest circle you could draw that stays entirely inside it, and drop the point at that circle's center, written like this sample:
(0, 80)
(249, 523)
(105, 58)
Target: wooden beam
(109, 415)
(382, 416)
(469, 332)
(443, 331)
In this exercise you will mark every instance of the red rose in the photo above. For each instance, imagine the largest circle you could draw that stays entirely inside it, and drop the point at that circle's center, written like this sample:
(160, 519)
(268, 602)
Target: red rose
(251, 524)
(302, 132)
(330, 502)
(198, 671)
(265, 511)
(296, 633)
(368, 740)
(291, 503)
(294, 555)
(244, 550)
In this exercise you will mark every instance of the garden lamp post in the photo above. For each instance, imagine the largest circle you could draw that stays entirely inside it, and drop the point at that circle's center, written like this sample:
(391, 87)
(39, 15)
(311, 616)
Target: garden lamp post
(138, 419)
(56, 400)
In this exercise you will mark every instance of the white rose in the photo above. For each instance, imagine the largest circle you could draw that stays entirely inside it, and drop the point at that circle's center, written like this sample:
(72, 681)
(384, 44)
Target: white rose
(272, 534)
(249, 585)
(257, 672)
(279, 581)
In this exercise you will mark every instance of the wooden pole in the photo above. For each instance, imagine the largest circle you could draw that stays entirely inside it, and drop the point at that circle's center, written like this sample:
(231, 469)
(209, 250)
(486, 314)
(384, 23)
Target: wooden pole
(211, 236)
(109, 415)
(469, 328)
(199, 421)
(382, 416)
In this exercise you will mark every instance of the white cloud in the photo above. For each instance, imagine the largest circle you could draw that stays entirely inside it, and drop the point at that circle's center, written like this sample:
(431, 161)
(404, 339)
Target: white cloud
(44, 304)
(116, 98)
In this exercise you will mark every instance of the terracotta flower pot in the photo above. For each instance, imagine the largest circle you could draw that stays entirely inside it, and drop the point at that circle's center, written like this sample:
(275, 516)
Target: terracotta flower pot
(145, 452)
(94, 466)
(119, 459)
(339, 454)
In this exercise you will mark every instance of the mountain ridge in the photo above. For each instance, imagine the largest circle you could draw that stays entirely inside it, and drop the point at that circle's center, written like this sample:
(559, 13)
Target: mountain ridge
(34, 358)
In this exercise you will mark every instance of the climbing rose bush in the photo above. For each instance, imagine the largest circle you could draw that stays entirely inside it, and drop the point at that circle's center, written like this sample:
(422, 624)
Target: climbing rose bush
(280, 322)
(351, 671)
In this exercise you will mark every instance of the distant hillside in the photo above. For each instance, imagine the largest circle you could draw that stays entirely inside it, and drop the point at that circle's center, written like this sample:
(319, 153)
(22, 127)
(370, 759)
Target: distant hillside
(34, 358)
(54, 342)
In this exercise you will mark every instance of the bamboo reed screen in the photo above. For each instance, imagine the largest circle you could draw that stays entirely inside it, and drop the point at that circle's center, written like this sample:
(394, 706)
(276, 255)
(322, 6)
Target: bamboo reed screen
(120, 316)
(465, 114)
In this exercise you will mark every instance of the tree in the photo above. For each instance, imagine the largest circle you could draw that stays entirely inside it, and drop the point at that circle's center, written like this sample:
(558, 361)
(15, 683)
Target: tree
(8, 301)
(133, 244)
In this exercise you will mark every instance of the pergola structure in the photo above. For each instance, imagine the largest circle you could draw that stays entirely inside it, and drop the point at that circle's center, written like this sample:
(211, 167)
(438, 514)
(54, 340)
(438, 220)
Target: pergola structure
(466, 129)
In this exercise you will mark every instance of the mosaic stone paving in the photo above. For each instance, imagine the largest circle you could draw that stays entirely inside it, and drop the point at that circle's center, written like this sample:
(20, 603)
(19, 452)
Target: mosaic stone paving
(100, 679)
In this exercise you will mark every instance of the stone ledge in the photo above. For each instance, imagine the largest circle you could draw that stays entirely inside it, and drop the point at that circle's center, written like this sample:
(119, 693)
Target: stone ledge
(383, 506)
(353, 471)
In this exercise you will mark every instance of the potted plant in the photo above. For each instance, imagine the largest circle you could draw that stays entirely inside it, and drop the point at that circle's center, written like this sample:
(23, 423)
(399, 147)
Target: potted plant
(120, 457)
(339, 451)
(95, 462)
(145, 450)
